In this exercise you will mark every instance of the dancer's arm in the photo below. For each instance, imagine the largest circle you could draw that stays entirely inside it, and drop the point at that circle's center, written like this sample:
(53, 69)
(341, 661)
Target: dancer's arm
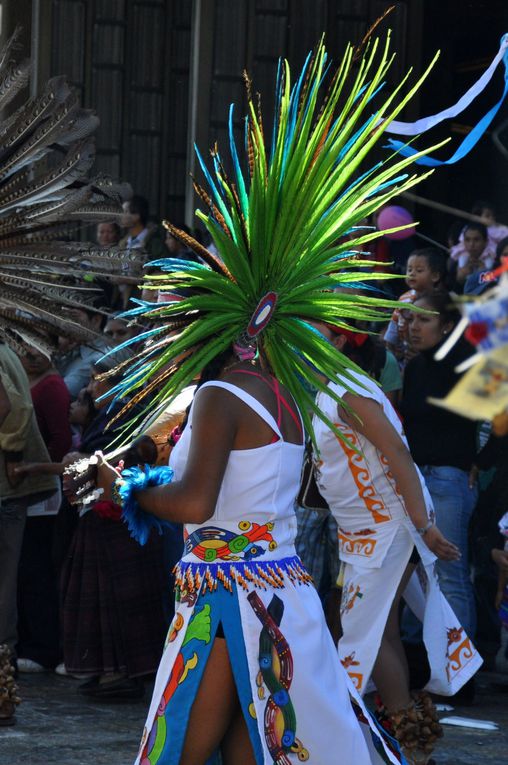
(193, 498)
(376, 427)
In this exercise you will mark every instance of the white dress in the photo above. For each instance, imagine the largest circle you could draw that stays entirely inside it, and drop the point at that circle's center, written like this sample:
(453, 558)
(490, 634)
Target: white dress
(240, 575)
(376, 538)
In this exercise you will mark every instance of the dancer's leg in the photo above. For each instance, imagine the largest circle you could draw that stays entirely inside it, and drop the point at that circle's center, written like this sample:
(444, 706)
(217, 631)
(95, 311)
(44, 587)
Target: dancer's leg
(236, 746)
(390, 672)
(214, 715)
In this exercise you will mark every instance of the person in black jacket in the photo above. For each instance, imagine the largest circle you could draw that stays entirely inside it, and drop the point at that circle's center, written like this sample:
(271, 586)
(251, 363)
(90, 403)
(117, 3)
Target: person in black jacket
(443, 444)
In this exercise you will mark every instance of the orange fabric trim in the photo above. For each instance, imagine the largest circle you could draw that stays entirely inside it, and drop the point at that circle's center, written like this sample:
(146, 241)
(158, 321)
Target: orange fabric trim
(361, 475)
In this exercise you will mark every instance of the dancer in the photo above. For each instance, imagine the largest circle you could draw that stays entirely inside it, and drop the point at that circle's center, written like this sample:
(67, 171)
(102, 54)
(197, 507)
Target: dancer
(386, 528)
(247, 615)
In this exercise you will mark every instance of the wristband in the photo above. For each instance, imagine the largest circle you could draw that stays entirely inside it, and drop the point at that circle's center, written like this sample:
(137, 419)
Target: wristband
(139, 522)
(425, 528)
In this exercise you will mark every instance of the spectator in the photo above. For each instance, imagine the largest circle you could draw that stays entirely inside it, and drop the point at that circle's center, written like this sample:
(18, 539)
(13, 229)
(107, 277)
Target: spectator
(489, 557)
(481, 280)
(487, 212)
(19, 439)
(473, 251)
(143, 242)
(38, 619)
(442, 444)
(108, 234)
(425, 272)
(477, 251)
(117, 330)
(113, 588)
(140, 234)
(74, 359)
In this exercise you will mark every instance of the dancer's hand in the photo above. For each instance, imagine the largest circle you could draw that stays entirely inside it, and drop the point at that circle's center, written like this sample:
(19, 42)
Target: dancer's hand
(440, 546)
(106, 476)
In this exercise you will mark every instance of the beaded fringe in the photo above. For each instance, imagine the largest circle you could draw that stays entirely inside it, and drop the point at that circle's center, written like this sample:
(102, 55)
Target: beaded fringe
(202, 577)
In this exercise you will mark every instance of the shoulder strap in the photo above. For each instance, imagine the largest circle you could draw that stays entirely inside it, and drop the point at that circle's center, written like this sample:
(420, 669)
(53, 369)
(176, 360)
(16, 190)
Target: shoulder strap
(275, 388)
(252, 402)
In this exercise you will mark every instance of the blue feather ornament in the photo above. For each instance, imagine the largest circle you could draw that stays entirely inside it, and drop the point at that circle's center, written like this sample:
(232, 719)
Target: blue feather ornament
(139, 522)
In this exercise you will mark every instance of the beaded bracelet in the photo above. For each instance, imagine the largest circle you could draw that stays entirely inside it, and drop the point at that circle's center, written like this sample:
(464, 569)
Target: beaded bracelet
(426, 528)
(139, 522)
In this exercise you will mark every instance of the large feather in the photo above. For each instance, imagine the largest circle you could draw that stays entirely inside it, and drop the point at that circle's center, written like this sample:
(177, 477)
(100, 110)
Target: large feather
(46, 152)
(285, 222)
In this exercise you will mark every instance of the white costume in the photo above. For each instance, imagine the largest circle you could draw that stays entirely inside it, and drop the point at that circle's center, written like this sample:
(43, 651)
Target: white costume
(376, 539)
(240, 578)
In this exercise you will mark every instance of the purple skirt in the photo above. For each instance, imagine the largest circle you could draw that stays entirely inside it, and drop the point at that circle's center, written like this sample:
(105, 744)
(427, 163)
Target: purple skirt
(113, 593)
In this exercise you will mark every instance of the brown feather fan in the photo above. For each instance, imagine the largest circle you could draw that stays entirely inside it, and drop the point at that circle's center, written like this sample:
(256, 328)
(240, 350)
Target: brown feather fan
(47, 150)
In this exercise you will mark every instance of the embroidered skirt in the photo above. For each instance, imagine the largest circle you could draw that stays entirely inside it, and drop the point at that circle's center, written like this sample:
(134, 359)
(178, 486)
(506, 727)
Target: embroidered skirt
(366, 601)
(297, 701)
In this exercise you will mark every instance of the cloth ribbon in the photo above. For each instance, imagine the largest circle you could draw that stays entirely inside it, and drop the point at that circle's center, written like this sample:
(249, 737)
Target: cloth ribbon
(426, 123)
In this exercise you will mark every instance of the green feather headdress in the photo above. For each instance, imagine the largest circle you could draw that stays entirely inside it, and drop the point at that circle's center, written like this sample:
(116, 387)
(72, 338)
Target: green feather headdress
(287, 230)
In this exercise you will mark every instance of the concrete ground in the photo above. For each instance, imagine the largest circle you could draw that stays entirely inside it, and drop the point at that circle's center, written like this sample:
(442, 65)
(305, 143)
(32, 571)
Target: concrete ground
(56, 726)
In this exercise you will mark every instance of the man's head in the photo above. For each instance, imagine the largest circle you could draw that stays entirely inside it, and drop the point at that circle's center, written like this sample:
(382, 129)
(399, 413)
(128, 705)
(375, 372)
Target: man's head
(117, 330)
(89, 319)
(135, 213)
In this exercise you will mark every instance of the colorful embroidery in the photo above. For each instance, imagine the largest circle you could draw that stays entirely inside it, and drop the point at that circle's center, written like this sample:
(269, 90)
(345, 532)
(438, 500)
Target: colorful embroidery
(192, 578)
(460, 651)
(211, 543)
(357, 542)
(198, 630)
(361, 475)
(276, 673)
(356, 677)
(176, 626)
(350, 595)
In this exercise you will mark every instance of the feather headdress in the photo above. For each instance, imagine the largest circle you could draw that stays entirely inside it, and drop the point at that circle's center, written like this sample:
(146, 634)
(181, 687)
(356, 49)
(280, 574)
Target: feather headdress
(46, 152)
(287, 227)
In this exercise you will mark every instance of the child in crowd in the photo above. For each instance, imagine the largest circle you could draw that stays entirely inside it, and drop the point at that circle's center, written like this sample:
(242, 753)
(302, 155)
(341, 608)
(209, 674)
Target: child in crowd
(425, 272)
(474, 248)
(482, 279)
(488, 214)
(477, 252)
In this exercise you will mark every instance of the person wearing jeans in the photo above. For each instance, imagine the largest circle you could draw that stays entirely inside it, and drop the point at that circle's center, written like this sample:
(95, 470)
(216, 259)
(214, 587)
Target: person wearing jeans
(442, 444)
(454, 498)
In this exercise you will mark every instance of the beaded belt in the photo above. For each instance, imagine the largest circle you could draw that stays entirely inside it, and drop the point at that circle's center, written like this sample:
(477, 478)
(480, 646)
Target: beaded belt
(242, 553)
